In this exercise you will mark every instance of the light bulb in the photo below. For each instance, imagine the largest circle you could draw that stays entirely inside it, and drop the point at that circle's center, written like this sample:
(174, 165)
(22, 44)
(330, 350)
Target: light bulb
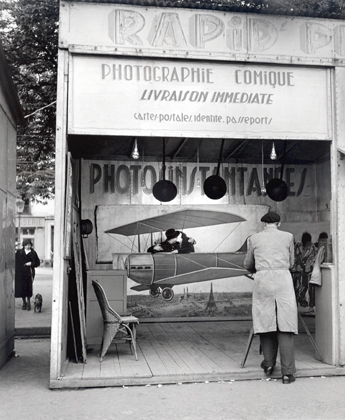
(135, 151)
(273, 154)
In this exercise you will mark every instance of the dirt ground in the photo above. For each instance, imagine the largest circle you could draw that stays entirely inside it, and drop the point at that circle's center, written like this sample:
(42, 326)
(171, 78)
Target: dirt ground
(25, 393)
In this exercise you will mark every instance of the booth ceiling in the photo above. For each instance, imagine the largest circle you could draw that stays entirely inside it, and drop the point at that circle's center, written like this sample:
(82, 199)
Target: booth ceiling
(205, 149)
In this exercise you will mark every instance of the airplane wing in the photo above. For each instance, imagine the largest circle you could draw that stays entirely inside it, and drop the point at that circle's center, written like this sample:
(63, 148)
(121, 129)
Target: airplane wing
(140, 288)
(183, 219)
(205, 274)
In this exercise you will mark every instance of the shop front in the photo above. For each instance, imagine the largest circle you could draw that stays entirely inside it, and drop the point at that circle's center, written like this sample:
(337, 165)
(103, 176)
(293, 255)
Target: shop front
(153, 97)
(40, 230)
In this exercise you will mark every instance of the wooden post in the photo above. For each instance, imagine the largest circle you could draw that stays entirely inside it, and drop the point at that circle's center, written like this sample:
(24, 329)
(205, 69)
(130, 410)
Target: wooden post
(60, 275)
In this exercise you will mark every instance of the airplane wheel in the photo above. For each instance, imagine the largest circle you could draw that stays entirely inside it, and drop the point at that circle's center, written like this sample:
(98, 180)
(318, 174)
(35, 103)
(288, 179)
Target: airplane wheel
(167, 293)
(155, 292)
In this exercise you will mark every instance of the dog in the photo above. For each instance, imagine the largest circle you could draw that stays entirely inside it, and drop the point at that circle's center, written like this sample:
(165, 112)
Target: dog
(38, 303)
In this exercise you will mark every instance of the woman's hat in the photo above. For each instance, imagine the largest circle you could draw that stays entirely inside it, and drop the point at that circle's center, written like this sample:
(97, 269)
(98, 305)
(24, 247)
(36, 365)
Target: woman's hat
(27, 242)
(172, 233)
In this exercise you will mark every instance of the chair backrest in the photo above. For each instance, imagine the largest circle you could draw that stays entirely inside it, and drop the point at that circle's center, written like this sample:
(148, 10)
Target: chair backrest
(108, 312)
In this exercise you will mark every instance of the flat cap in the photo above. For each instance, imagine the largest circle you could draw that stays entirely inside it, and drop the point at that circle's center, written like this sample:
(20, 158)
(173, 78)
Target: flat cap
(271, 217)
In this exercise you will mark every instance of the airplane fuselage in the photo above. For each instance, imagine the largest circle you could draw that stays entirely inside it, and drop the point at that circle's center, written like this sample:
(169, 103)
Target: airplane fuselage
(172, 269)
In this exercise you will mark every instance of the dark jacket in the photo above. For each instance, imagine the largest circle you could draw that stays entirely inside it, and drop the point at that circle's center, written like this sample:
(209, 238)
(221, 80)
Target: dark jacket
(186, 246)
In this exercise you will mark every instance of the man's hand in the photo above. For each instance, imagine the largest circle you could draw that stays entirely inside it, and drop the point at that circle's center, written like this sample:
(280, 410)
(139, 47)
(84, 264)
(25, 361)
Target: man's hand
(158, 248)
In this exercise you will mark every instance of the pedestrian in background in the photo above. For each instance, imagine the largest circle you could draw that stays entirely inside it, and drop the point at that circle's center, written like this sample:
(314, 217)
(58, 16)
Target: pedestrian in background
(305, 254)
(270, 256)
(25, 262)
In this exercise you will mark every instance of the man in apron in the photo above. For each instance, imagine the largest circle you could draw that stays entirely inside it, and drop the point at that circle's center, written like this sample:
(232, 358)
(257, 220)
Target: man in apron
(270, 256)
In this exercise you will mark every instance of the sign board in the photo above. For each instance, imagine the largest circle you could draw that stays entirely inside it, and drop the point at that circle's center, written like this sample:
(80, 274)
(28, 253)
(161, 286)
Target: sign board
(113, 96)
(202, 34)
(128, 184)
(32, 221)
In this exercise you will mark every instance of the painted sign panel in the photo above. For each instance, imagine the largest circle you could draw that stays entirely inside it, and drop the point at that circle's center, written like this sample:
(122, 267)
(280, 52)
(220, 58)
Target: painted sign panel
(197, 99)
(201, 34)
(120, 182)
(118, 193)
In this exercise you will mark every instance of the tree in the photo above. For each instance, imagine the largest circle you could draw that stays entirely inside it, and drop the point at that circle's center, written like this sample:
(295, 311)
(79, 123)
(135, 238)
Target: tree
(29, 33)
(312, 8)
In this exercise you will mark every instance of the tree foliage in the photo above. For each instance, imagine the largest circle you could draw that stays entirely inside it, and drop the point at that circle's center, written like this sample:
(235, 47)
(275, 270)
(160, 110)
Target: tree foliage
(312, 8)
(29, 34)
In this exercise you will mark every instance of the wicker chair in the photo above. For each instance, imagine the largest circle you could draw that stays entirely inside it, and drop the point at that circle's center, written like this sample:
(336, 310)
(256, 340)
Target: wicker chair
(113, 324)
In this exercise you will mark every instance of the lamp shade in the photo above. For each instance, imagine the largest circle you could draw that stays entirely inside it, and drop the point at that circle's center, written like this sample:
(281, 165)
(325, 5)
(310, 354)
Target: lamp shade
(277, 189)
(86, 227)
(164, 190)
(215, 187)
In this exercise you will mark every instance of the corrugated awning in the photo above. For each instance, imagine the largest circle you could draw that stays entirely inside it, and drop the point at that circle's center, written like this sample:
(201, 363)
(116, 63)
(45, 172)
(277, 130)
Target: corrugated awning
(308, 8)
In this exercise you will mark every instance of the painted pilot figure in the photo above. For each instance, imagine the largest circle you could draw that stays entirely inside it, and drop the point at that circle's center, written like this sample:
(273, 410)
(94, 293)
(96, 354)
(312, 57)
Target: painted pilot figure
(270, 256)
(176, 242)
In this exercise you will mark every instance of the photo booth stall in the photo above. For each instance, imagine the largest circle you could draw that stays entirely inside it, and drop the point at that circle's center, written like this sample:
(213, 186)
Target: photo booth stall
(163, 110)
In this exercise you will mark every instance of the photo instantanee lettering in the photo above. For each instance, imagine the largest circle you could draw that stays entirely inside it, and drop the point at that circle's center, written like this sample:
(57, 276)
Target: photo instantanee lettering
(241, 180)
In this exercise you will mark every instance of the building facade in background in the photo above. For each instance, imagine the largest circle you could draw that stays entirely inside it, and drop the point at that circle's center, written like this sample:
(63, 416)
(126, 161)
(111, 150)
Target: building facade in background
(37, 224)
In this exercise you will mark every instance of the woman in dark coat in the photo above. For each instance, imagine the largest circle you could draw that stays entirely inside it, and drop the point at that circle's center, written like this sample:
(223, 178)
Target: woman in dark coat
(26, 261)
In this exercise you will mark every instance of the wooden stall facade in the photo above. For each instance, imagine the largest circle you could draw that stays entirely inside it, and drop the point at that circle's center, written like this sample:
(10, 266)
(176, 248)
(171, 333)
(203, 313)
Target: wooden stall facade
(10, 117)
